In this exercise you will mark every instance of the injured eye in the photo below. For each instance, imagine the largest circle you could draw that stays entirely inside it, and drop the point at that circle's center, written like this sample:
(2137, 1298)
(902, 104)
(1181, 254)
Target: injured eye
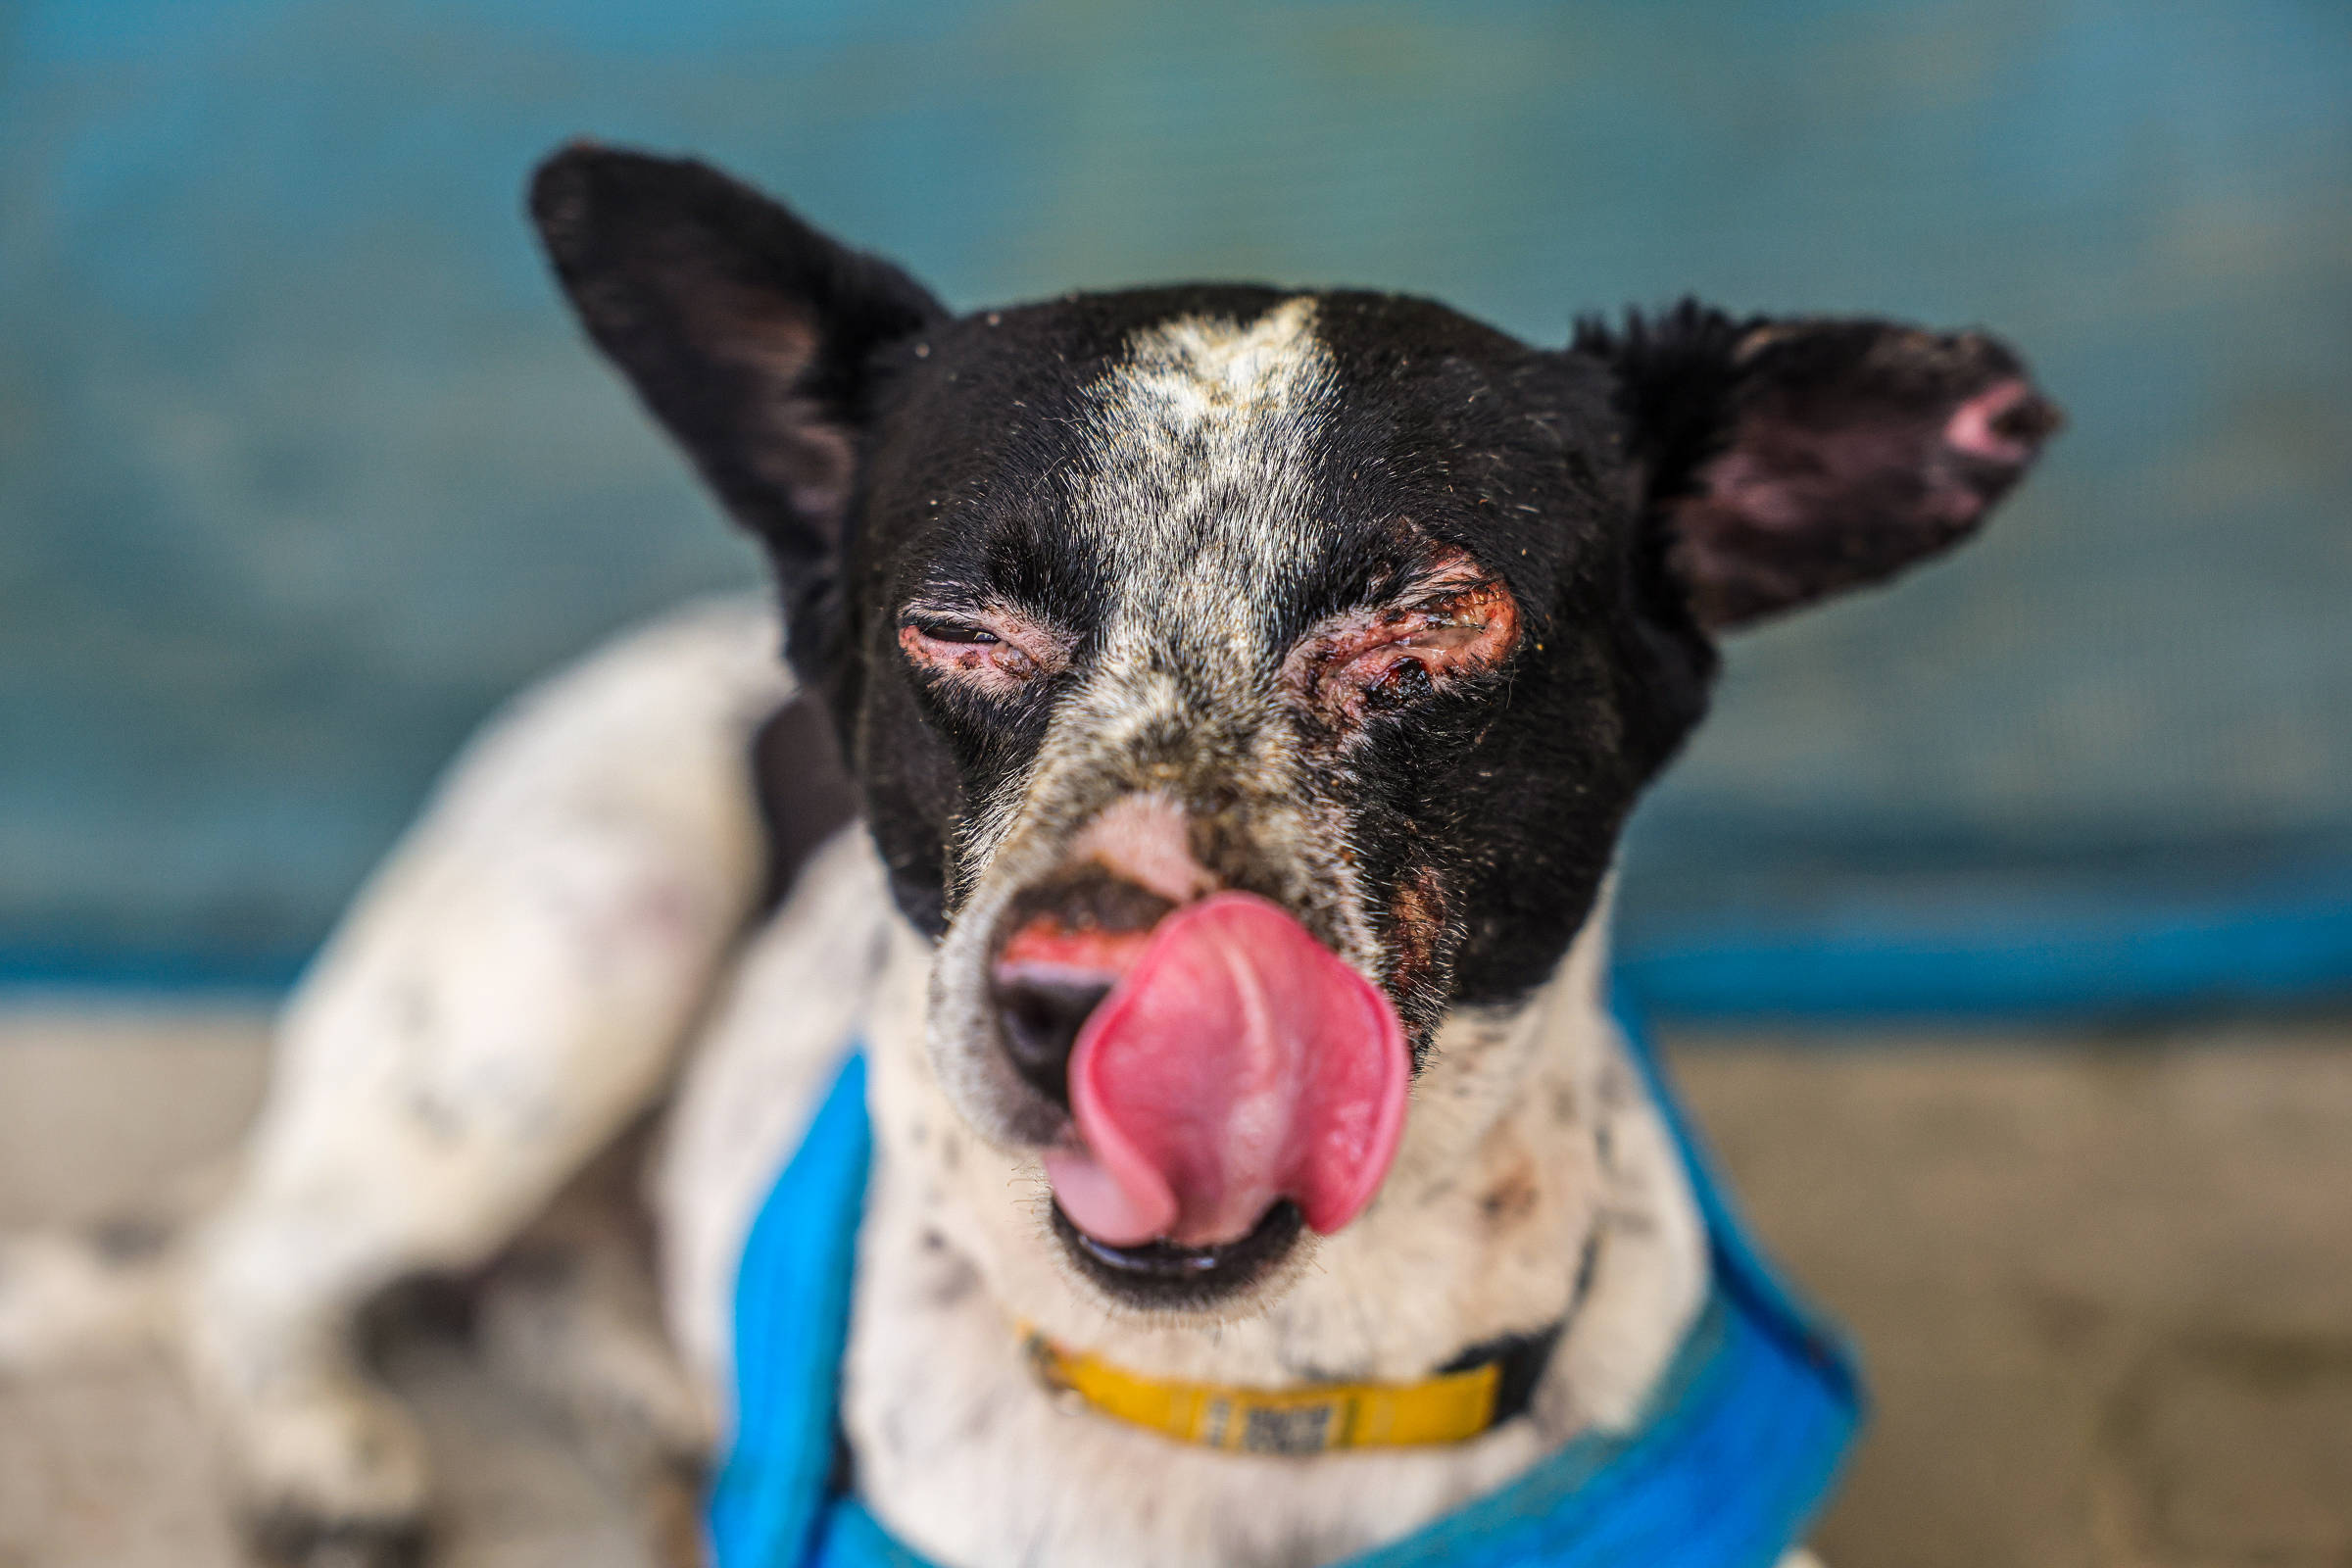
(948, 631)
(1458, 623)
(994, 652)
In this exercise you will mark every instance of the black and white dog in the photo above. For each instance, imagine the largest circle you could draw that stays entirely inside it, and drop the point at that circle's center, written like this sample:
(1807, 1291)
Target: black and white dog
(1239, 693)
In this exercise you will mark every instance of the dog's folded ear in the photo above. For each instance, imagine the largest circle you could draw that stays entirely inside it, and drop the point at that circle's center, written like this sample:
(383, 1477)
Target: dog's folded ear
(753, 337)
(1785, 460)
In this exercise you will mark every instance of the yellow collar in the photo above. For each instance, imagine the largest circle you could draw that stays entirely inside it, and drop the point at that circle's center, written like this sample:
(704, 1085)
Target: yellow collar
(1315, 1418)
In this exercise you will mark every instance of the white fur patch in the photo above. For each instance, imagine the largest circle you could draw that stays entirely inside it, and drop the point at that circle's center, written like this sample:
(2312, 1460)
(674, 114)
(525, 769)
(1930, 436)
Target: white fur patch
(784, 1020)
(507, 991)
(1199, 490)
(1196, 494)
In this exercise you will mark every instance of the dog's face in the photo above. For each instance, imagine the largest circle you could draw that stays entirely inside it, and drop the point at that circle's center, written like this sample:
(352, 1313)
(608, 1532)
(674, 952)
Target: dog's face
(1241, 682)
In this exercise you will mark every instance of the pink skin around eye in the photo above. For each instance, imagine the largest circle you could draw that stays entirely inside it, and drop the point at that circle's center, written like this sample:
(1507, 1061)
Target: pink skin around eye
(1017, 652)
(1446, 635)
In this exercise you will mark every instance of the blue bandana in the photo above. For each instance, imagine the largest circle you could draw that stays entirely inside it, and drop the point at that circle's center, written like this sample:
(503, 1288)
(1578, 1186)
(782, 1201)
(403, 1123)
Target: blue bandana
(1736, 1448)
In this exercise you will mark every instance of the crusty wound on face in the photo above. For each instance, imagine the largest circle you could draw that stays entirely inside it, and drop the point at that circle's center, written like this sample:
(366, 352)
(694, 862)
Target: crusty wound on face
(1451, 621)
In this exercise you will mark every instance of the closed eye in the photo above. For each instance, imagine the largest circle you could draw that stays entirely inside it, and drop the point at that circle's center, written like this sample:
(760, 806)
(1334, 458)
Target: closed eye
(948, 631)
(991, 651)
(1459, 622)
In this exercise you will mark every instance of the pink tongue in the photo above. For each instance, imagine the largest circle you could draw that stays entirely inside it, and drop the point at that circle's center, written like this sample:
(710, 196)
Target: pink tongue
(1238, 1062)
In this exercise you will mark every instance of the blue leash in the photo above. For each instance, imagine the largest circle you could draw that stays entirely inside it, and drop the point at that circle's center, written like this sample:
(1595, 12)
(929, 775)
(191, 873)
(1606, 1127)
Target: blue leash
(1738, 1447)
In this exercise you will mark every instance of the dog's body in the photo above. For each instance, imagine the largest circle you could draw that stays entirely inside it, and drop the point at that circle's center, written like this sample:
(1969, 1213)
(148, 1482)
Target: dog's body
(1162, 632)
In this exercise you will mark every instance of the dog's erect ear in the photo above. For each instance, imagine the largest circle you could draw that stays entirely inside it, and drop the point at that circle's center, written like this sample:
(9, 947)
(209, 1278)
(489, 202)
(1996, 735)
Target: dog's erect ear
(1782, 460)
(750, 335)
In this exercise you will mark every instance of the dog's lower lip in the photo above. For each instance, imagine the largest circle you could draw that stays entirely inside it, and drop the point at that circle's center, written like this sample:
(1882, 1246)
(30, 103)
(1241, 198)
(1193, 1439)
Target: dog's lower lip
(1164, 1265)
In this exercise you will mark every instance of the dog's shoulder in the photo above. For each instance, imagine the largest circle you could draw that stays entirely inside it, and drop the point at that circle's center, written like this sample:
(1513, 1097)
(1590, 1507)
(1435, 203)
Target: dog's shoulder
(793, 1006)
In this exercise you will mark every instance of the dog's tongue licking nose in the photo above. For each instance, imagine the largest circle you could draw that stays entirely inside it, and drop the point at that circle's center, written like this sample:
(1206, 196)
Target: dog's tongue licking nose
(1238, 1062)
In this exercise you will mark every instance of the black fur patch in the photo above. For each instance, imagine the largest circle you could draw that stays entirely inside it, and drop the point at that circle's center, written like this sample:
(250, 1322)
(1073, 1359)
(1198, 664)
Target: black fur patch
(805, 794)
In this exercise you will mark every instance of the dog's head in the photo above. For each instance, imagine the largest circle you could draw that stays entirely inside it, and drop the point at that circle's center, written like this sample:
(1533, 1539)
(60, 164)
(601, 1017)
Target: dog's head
(1241, 680)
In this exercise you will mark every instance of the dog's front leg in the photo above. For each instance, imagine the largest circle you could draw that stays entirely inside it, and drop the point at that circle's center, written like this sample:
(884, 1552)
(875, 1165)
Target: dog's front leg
(507, 994)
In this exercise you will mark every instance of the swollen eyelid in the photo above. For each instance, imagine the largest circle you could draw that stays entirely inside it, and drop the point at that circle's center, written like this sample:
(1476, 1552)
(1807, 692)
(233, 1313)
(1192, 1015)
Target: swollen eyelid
(950, 631)
(1446, 635)
(993, 657)
(1395, 657)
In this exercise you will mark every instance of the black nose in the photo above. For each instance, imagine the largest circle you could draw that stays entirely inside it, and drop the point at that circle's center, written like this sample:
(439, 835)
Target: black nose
(1041, 1015)
(1066, 941)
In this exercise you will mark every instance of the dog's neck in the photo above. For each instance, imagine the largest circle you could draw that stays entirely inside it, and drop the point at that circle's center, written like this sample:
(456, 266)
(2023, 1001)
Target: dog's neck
(1536, 1187)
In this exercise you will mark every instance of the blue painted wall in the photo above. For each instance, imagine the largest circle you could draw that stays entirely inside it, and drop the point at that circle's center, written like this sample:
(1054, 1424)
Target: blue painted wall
(301, 466)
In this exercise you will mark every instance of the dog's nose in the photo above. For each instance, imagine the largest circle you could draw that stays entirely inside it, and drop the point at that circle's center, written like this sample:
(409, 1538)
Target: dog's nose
(1041, 1016)
(1066, 944)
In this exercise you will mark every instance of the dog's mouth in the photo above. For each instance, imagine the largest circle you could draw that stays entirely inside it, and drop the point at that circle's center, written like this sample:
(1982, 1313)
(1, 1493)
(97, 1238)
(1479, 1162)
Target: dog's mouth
(1167, 1276)
(1229, 1082)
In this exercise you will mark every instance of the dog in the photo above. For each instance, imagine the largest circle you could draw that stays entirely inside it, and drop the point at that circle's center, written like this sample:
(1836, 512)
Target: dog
(1192, 777)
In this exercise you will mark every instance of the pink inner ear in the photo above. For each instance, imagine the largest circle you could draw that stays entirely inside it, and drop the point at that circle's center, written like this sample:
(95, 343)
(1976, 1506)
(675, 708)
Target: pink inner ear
(1972, 427)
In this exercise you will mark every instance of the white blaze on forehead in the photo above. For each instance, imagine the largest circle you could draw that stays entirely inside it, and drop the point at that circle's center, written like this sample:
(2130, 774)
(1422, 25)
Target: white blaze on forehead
(1195, 492)
(1198, 489)
(1203, 368)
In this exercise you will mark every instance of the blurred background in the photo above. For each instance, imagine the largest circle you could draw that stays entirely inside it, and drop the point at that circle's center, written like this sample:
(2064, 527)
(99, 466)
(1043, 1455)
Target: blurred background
(303, 469)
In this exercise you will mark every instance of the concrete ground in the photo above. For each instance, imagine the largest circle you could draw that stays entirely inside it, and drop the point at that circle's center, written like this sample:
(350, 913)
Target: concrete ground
(2104, 1288)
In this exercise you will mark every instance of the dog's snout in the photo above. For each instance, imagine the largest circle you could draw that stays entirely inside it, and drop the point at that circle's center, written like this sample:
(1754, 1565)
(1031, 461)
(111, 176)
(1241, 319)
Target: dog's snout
(1066, 944)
